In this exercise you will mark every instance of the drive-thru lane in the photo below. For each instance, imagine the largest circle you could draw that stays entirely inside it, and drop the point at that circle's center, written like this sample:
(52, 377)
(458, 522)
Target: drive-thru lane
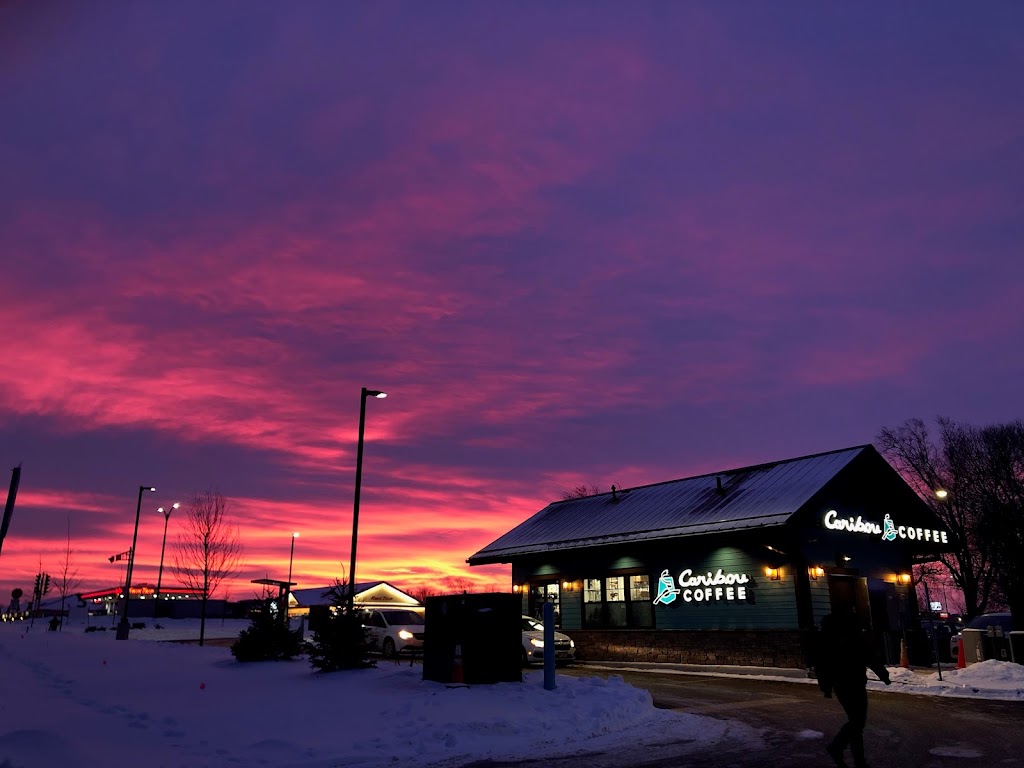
(786, 724)
(903, 730)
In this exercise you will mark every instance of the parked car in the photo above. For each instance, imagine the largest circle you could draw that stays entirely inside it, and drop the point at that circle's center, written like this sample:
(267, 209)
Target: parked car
(984, 621)
(394, 630)
(533, 643)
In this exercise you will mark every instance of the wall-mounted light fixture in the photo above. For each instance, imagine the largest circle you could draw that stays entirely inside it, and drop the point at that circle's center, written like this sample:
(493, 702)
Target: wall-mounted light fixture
(773, 573)
(569, 586)
(516, 587)
(815, 572)
(904, 578)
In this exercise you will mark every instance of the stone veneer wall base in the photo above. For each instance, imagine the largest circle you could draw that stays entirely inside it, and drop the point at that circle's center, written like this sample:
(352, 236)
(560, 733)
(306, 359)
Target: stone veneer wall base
(782, 649)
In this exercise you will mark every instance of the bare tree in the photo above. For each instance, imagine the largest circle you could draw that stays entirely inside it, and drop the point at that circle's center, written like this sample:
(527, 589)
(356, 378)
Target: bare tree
(952, 466)
(580, 491)
(67, 580)
(456, 584)
(209, 551)
(422, 592)
(999, 458)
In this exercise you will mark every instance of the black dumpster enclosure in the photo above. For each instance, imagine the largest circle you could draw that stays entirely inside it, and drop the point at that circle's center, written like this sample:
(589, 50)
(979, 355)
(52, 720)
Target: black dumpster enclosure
(473, 638)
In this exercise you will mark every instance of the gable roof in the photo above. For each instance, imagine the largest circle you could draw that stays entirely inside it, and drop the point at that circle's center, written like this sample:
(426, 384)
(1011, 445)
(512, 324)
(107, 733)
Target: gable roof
(760, 496)
(322, 595)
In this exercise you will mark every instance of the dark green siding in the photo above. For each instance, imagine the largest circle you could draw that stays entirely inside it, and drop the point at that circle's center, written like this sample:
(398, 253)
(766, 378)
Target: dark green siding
(769, 605)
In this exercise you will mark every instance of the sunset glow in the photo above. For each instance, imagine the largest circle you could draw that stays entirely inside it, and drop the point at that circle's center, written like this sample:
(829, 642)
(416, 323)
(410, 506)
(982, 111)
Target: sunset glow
(573, 245)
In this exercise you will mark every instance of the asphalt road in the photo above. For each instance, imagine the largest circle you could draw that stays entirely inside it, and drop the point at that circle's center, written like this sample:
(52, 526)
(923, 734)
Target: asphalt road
(770, 724)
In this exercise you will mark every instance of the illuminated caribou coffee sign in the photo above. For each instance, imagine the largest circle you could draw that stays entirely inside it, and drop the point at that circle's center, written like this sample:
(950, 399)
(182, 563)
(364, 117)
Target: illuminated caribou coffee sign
(888, 530)
(701, 587)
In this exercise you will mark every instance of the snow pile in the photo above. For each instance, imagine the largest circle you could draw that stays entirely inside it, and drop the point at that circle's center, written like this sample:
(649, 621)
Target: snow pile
(987, 679)
(86, 699)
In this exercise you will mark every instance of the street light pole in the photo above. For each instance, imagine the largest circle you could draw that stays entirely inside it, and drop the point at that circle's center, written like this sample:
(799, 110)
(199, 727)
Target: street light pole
(160, 573)
(291, 558)
(122, 627)
(355, 505)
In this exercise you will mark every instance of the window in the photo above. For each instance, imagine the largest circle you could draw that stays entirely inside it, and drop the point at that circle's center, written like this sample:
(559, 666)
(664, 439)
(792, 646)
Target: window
(545, 593)
(618, 601)
(615, 601)
(641, 611)
(593, 603)
(395, 617)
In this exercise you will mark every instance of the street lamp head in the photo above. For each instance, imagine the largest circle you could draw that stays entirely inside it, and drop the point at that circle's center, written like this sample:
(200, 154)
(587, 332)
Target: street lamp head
(374, 393)
(295, 535)
(942, 493)
(146, 488)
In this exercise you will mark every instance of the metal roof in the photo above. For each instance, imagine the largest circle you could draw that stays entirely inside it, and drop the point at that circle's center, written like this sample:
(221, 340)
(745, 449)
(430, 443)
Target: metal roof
(322, 595)
(761, 496)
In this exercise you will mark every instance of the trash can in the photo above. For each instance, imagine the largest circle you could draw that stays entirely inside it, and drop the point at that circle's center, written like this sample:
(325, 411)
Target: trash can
(473, 639)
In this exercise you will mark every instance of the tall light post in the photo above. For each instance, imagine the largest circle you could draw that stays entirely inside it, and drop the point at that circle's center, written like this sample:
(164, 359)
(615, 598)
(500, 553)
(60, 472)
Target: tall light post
(291, 558)
(160, 574)
(355, 505)
(122, 627)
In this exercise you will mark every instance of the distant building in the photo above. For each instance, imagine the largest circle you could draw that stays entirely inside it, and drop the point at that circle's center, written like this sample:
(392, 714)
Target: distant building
(368, 596)
(144, 603)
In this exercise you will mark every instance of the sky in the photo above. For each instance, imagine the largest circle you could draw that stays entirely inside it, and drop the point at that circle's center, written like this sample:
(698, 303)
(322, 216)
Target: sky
(581, 243)
(73, 686)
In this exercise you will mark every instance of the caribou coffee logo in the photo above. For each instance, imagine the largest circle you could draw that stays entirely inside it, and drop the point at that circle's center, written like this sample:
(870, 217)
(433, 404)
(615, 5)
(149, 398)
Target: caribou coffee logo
(889, 531)
(702, 587)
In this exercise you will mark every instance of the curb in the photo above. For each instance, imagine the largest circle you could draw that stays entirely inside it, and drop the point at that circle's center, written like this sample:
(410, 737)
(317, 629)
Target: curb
(708, 669)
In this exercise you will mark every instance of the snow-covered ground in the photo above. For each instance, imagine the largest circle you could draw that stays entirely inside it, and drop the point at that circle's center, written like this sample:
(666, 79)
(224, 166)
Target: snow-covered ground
(84, 699)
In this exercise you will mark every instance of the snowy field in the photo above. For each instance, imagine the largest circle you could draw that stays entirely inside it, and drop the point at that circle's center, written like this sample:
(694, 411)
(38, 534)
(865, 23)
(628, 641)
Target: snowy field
(84, 699)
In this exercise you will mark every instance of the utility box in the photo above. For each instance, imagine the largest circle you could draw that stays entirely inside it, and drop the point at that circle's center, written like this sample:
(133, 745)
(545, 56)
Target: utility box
(996, 643)
(473, 639)
(974, 647)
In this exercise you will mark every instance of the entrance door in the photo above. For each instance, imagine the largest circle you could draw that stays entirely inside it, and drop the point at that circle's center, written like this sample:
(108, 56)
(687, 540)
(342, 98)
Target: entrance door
(846, 592)
(852, 591)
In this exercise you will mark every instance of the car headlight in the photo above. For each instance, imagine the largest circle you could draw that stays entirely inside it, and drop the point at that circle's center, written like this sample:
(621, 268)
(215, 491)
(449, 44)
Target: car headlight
(536, 643)
(572, 643)
(405, 634)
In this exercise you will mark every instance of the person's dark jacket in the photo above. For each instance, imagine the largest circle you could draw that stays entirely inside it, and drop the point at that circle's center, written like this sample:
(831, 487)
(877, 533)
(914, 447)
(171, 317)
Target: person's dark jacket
(844, 653)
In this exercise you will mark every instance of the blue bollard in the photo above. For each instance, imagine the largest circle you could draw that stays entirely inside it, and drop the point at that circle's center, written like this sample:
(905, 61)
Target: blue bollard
(549, 647)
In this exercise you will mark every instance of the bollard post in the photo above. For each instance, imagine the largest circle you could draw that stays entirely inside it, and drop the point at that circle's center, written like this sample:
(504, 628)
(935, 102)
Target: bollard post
(549, 647)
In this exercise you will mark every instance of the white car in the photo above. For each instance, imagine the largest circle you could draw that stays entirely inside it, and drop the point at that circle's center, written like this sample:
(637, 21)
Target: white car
(394, 630)
(533, 643)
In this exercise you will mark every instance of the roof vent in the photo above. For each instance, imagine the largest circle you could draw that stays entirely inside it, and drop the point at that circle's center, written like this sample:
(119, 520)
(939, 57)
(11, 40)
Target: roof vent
(719, 487)
(614, 497)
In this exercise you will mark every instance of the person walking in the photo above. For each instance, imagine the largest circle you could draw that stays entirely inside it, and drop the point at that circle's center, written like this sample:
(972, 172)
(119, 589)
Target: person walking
(843, 654)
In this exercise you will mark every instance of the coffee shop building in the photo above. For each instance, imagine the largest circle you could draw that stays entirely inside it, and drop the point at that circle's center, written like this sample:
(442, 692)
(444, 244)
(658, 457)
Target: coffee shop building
(736, 567)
